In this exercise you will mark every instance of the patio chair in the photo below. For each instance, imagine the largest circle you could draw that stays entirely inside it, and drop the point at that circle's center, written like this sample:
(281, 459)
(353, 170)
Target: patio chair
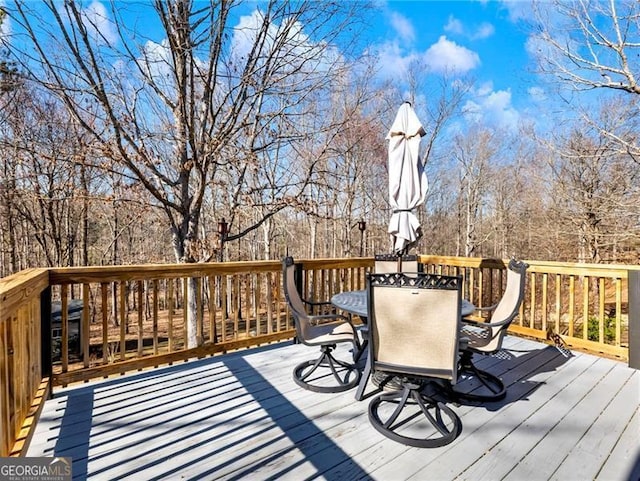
(486, 338)
(326, 373)
(388, 263)
(414, 334)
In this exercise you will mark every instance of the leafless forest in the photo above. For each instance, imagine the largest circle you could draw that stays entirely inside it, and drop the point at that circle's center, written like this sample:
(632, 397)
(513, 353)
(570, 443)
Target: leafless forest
(134, 152)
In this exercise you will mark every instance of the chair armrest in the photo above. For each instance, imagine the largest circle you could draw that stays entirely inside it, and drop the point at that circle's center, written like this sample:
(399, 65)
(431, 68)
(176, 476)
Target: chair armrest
(475, 322)
(318, 306)
(487, 309)
(313, 303)
(323, 318)
(477, 315)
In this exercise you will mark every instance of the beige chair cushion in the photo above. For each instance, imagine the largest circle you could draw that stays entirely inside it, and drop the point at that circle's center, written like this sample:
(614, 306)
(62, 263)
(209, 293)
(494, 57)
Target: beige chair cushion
(416, 330)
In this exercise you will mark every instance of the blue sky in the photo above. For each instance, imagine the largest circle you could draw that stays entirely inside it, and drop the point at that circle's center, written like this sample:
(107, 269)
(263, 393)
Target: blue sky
(483, 40)
(478, 39)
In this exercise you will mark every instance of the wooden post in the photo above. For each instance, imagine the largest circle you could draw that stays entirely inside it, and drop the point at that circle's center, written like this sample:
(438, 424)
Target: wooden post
(634, 319)
(45, 333)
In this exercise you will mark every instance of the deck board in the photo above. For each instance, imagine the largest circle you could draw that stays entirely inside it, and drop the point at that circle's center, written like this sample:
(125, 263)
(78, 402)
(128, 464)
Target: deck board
(241, 416)
(571, 425)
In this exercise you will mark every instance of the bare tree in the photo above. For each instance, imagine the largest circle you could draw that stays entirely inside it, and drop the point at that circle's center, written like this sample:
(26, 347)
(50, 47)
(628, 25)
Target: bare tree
(475, 151)
(188, 116)
(593, 190)
(594, 45)
(590, 44)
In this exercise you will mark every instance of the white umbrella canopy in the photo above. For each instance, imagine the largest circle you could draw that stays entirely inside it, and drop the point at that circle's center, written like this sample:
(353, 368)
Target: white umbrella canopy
(407, 178)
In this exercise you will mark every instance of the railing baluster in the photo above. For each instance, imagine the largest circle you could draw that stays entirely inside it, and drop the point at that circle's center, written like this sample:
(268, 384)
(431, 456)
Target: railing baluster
(85, 328)
(225, 307)
(123, 319)
(533, 307)
(64, 327)
(104, 293)
(170, 314)
(212, 310)
(585, 307)
(558, 303)
(199, 310)
(257, 288)
(572, 304)
(545, 301)
(269, 300)
(601, 296)
(618, 311)
(183, 306)
(154, 314)
(140, 289)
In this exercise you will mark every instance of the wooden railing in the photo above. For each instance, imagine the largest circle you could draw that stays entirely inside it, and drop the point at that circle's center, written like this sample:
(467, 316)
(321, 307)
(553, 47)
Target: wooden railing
(24, 381)
(110, 320)
(586, 304)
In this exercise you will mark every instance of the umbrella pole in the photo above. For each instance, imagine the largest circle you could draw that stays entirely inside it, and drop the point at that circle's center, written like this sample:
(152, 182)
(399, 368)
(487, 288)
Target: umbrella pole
(400, 255)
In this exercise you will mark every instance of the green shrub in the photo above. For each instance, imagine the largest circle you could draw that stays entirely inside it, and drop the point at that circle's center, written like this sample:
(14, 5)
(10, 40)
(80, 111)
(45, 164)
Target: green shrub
(593, 329)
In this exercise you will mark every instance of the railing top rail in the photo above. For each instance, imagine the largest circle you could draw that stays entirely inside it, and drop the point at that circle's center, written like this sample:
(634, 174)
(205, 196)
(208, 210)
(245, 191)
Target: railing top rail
(336, 263)
(70, 275)
(17, 288)
(548, 267)
(74, 275)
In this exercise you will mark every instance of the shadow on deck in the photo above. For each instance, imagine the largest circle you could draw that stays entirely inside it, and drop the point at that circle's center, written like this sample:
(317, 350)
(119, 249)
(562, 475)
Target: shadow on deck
(241, 416)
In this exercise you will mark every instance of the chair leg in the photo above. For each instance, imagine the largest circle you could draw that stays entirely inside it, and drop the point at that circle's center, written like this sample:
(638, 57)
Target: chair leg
(302, 374)
(442, 425)
(358, 351)
(364, 380)
(491, 387)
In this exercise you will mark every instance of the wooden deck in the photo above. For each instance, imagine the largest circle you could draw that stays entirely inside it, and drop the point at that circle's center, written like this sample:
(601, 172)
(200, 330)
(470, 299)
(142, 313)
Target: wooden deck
(567, 416)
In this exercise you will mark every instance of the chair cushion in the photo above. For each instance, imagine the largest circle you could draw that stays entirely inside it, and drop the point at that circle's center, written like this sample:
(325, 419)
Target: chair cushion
(330, 333)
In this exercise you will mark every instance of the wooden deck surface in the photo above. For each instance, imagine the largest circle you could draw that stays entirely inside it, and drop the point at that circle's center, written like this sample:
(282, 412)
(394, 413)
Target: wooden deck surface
(567, 416)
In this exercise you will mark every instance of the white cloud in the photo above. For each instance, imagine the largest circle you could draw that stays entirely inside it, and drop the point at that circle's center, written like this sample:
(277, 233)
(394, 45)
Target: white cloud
(454, 26)
(403, 27)
(245, 32)
(101, 28)
(5, 23)
(393, 61)
(447, 56)
(485, 30)
(485, 89)
(492, 108)
(300, 54)
(156, 62)
(517, 9)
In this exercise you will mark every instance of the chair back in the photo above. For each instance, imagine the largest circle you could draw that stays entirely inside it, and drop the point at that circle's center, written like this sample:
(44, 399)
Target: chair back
(292, 296)
(415, 323)
(388, 263)
(509, 304)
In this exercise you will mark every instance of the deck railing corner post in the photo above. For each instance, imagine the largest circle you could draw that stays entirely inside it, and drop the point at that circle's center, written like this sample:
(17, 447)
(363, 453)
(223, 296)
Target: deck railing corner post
(45, 333)
(634, 318)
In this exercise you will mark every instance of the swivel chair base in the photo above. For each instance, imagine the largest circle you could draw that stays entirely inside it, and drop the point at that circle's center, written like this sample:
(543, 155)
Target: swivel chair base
(326, 367)
(490, 388)
(427, 423)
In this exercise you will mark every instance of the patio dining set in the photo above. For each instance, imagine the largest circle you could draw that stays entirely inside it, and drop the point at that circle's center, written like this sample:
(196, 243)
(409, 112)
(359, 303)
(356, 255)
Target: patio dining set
(413, 350)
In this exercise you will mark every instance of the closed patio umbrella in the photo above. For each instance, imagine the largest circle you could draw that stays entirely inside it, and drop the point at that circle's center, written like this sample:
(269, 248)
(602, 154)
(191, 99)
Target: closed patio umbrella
(407, 179)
